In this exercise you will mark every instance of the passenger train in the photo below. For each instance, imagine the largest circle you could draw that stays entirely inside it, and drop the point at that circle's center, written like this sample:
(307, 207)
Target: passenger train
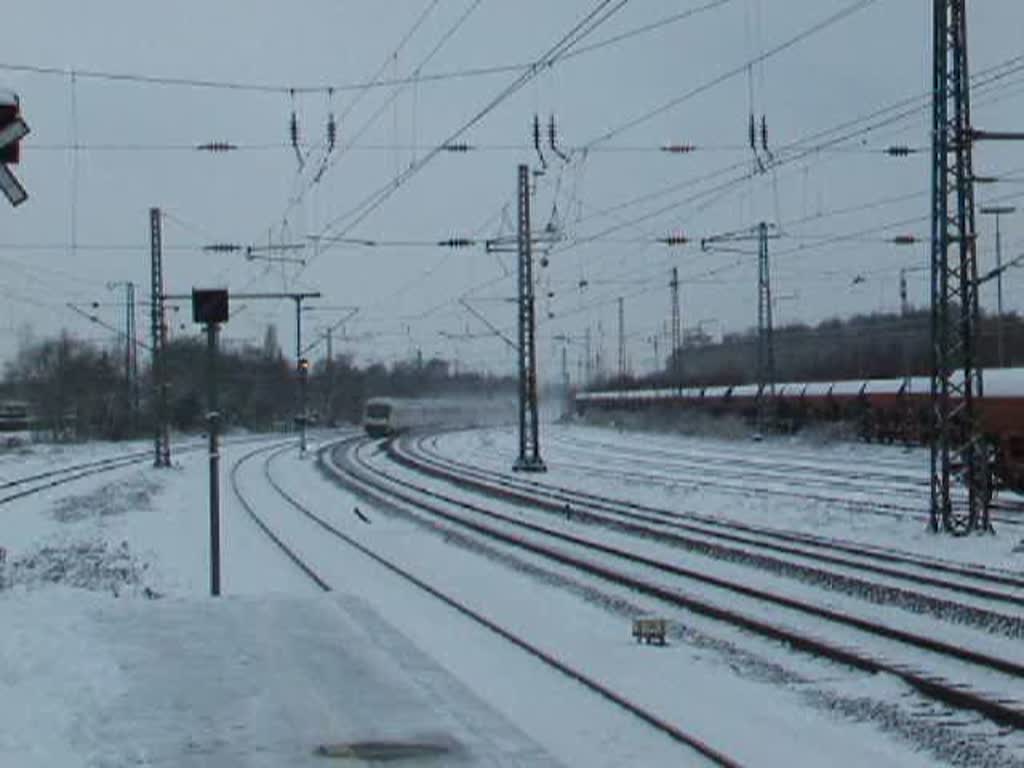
(387, 416)
(886, 410)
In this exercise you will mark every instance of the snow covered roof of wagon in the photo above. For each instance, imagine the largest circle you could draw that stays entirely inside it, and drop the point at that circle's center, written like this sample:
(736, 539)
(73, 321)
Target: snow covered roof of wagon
(8, 98)
(1004, 382)
(999, 382)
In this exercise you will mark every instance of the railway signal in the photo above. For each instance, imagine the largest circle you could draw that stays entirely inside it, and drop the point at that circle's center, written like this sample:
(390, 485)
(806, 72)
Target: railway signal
(12, 130)
(210, 307)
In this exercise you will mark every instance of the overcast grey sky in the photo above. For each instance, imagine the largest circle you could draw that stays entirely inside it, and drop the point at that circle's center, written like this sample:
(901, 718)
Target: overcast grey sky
(86, 223)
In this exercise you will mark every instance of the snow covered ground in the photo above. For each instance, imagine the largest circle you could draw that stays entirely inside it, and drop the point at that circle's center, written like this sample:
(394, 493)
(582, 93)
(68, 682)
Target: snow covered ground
(686, 474)
(111, 654)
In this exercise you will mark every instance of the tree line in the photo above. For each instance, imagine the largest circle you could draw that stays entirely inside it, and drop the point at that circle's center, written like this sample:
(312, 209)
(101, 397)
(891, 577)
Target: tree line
(79, 389)
(870, 346)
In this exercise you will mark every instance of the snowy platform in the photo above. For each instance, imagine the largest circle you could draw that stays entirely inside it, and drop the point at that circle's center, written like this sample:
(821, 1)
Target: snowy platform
(245, 682)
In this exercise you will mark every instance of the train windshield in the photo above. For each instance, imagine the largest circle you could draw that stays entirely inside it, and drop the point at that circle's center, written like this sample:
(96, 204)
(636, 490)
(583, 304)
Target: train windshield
(378, 410)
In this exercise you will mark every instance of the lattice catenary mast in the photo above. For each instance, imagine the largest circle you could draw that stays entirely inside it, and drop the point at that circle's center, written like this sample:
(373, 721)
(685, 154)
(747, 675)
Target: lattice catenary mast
(529, 433)
(956, 442)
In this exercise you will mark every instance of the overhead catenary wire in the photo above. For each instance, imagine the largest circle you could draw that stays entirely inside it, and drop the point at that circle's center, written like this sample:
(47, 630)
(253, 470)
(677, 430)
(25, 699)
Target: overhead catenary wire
(611, 147)
(375, 82)
(330, 163)
(775, 50)
(586, 26)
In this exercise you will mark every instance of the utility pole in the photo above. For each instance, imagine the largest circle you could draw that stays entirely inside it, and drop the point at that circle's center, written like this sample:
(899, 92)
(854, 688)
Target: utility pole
(529, 436)
(904, 302)
(302, 365)
(566, 388)
(998, 211)
(589, 368)
(133, 356)
(329, 400)
(956, 444)
(129, 346)
(677, 333)
(131, 370)
(158, 339)
(622, 339)
(765, 331)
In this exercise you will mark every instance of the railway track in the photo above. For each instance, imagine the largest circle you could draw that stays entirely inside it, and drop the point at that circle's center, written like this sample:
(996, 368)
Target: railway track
(942, 671)
(809, 481)
(28, 485)
(37, 482)
(796, 476)
(988, 583)
(738, 482)
(381, 494)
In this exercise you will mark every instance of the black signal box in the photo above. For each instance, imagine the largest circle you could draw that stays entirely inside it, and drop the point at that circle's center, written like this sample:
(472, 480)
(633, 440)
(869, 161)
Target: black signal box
(209, 305)
(9, 112)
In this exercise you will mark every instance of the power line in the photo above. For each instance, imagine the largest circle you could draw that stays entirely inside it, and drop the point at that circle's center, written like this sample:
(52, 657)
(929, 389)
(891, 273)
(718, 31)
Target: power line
(739, 70)
(377, 81)
(582, 29)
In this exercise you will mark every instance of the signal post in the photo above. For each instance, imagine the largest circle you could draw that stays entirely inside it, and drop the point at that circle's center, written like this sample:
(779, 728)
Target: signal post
(210, 307)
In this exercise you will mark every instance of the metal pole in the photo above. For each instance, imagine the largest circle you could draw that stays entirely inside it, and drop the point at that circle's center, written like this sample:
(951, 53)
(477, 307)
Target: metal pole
(158, 332)
(529, 428)
(128, 348)
(956, 439)
(133, 358)
(999, 296)
(329, 404)
(213, 419)
(589, 368)
(677, 332)
(765, 340)
(998, 211)
(302, 375)
(622, 339)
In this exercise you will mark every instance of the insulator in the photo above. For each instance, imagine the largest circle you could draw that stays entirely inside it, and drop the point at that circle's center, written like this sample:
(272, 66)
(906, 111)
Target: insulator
(905, 239)
(294, 130)
(459, 146)
(764, 133)
(332, 132)
(753, 133)
(456, 242)
(216, 146)
(553, 140)
(222, 248)
(678, 149)
(898, 151)
(536, 145)
(675, 240)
